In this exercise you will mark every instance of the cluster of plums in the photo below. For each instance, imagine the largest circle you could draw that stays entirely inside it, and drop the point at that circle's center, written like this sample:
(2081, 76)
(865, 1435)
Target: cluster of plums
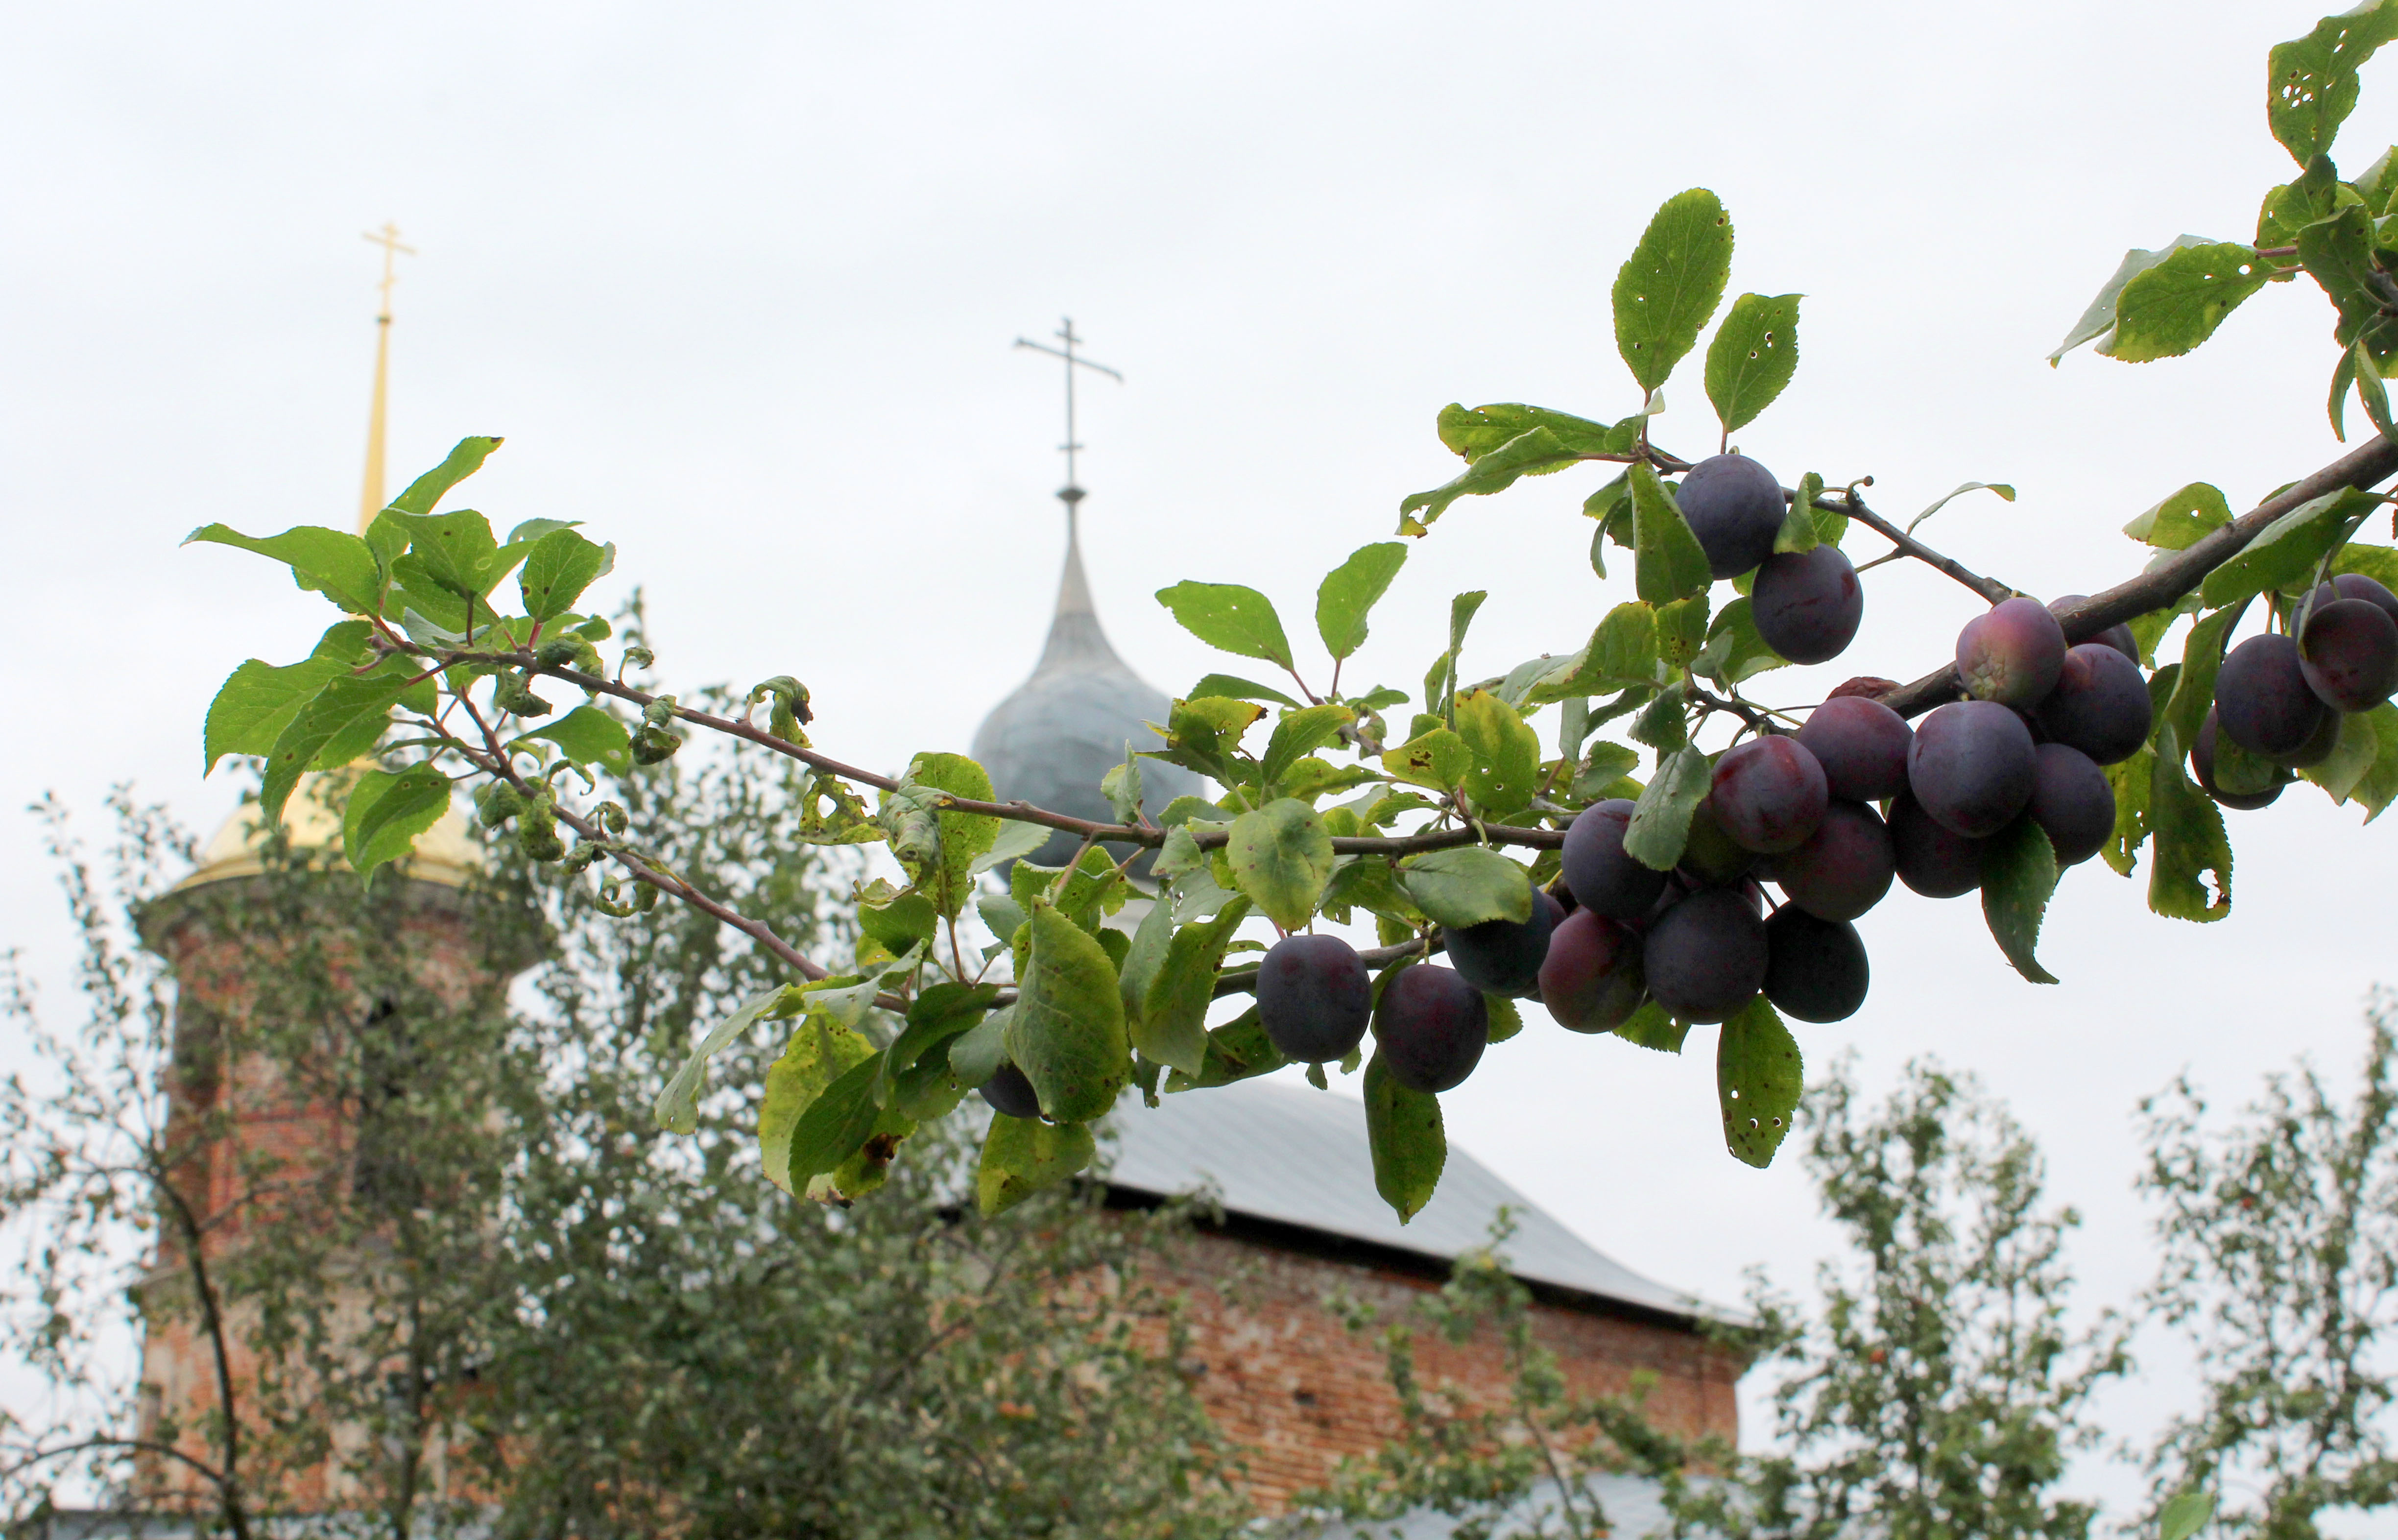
(1806, 604)
(2281, 698)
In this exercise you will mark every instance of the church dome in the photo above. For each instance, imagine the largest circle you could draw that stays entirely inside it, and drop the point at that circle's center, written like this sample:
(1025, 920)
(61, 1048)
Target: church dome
(1049, 743)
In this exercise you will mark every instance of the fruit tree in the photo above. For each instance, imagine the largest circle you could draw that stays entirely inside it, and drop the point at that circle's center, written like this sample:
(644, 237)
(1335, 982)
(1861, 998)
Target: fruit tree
(1628, 832)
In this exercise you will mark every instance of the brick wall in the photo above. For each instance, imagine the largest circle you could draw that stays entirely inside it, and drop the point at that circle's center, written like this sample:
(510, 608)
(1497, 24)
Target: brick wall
(1282, 1376)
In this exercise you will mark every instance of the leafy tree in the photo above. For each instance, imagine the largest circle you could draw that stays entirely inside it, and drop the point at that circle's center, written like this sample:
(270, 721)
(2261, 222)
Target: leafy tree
(1732, 575)
(510, 1302)
(2279, 1238)
(1938, 1391)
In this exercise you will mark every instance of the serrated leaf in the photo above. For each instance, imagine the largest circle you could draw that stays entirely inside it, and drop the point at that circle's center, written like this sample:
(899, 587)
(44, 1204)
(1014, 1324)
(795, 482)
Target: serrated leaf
(1021, 1157)
(588, 736)
(259, 700)
(2182, 520)
(677, 1108)
(831, 1128)
(1752, 355)
(2018, 877)
(1348, 591)
(465, 459)
(2350, 757)
(1506, 754)
(336, 564)
(1437, 758)
(1668, 561)
(558, 567)
(1403, 1130)
(1173, 1021)
(965, 837)
(1681, 630)
(2187, 842)
(2175, 305)
(1467, 885)
(1231, 688)
(1622, 653)
(1651, 1028)
(2099, 318)
(1537, 451)
(1300, 733)
(1760, 1078)
(1661, 819)
(2340, 255)
(1800, 531)
(816, 1055)
(1734, 651)
(1066, 1032)
(2202, 656)
(337, 718)
(1281, 855)
(386, 813)
(2006, 493)
(2130, 780)
(1671, 284)
(2312, 80)
(1141, 963)
(1230, 618)
(1475, 432)
(2378, 786)
(2287, 549)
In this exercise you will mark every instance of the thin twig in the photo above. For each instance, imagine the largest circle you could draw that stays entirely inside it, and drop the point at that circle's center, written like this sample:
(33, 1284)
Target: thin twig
(1855, 508)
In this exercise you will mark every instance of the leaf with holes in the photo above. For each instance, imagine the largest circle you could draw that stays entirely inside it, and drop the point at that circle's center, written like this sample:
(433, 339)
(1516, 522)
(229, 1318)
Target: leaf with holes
(2186, 841)
(1759, 1079)
(1671, 284)
(1404, 1133)
(1507, 769)
(1281, 856)
(2099, 320)
(1755, 353)
(2182, 520)
(2312, 81)
(386, 813)
(2177, 304)
(1230, 618)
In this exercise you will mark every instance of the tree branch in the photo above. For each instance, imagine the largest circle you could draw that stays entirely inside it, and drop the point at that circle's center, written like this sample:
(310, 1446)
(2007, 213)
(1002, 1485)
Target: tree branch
(2167, 581)
(1854, 507)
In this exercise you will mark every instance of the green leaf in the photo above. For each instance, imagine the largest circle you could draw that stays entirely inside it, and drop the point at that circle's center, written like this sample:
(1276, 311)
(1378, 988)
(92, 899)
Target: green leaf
(2312, 80)
(1671, 284)
(454, 551)
(2202, 655)
(1231, 688)
(1203, 734)
(1348, 591)
(818, 1054)
(1015, 841)
(677, 1105)
(1230, 618)
(1066, 1032)
(1661, 820)
(2018, 876)
(346, 711)
(964, 836)
(259, 700)
(2186, 841)
(2339, 253)
(2317, 194)
(1682, 630)
(387, 812)
(2177, 304)
(1734, 650)
(1301, 733)
(1140, 962)
(561, 565)
(2187, 1513)
(1536, 452)
(1505, 1020)
(465, 459)
(836, 1123)
(1020, 1158)
(976, 1053)
(2380, 785)
(1752, 358)
(1476, 433)
(2130, 779)
(1467, 885)
(1173, 1019)
(1621, 653)
(328, 562)
(1438, 759)
(1800, 532)
(587, 735)
(2287, 549)
(1282, 856)
(1668, 561)
(1651, 1028)
(1403, 1130)
(2006, 495)
(2377, 562)
(1238, 1050)
(2099, 318)
(1506, 754)
(1759, 1079)
(2182, 520)
(2341, 771)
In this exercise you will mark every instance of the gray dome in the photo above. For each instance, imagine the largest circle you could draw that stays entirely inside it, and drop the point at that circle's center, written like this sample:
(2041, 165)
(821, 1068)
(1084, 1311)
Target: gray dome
(1049, 743)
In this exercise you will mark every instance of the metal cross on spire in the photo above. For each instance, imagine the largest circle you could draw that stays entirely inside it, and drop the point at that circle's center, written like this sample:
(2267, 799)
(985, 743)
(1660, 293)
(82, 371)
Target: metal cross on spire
(370, 499)
(1072, 493)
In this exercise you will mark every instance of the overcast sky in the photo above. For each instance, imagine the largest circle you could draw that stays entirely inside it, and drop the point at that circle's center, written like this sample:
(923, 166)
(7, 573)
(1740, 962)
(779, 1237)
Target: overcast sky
(738, 283)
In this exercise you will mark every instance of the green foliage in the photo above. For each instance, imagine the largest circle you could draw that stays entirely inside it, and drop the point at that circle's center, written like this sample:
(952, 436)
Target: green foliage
(1671, 284)
(1403, 1130)
(2019, 876)
(1759, 1074)
(1754, 354)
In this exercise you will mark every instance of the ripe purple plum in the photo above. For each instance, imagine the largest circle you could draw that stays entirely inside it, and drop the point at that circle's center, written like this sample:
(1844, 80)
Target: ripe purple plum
(1503, 956)
(1704, 958)
(1933, 861)
(1734, 505)
(2011, 655)
(2202, 766)
(2118, 637)
(2358, 585)
(1591, 980)
(2350, 656)
(1009, 1090)
(1861, 746)
(1769, 793)
(1815, 969)
(1807, 605)
(2101, 706)
(1971, 766)
(2262, 699)
(1602, 875)
(1431, 1028)
(1844, 867)
(2073, 803)
(1313, 998)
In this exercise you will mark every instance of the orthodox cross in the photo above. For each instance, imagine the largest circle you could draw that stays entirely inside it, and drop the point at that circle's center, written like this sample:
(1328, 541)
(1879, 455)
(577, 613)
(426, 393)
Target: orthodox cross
(1072, 493)
(370, 499)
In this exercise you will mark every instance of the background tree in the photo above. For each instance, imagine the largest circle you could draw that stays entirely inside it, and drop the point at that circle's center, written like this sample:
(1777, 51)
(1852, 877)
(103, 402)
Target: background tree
(1938, 1391)
(2279, 1236)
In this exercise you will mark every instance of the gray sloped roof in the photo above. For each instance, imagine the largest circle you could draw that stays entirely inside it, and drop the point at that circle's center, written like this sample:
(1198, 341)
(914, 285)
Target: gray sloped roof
(1049, 743)
(1281, 1150)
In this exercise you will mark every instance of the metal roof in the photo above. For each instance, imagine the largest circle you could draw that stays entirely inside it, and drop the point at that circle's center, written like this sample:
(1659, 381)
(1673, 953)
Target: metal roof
(1280, 1150)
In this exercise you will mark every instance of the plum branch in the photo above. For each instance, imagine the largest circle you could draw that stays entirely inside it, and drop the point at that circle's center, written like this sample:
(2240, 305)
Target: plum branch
(1854, 507)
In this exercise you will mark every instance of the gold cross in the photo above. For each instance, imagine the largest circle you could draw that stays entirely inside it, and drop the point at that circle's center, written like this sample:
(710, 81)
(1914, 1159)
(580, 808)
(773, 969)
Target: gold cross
(388, 239)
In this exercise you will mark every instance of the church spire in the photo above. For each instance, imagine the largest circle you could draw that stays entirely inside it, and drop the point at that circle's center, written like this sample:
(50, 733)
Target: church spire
(1075, 640)
(370, 501)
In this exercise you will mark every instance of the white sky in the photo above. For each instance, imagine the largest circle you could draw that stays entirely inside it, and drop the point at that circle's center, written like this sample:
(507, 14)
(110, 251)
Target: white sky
(738, 285)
